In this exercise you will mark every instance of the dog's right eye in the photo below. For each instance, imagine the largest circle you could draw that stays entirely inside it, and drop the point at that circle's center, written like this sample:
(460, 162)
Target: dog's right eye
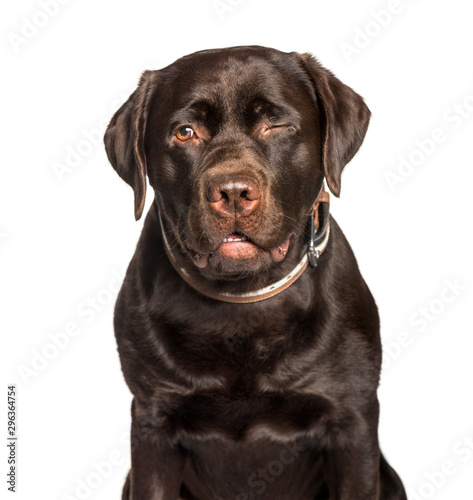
(274, 128)
(185, 134)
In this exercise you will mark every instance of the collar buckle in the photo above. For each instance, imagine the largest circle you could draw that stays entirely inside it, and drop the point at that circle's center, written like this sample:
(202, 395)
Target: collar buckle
(319, 227)
(312, 253)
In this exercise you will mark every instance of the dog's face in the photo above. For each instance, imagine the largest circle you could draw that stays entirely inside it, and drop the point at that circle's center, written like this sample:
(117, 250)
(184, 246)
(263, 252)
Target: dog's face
(236, 144)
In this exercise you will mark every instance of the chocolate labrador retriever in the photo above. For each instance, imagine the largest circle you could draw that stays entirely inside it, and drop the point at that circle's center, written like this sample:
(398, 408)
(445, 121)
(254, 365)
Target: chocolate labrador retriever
(245, 330)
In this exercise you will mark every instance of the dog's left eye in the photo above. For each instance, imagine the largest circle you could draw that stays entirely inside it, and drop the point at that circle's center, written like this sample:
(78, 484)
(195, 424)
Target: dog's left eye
(185, 134)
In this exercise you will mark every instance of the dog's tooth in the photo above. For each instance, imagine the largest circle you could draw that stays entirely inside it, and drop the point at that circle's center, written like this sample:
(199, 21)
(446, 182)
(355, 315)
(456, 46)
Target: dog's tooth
(233, 240)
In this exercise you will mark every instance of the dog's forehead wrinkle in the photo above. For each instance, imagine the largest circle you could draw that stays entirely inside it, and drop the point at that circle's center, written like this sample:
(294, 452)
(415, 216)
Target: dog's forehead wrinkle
(232, 78)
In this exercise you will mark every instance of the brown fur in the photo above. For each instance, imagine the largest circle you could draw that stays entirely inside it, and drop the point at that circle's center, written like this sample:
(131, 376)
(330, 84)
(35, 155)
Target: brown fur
(271, 400)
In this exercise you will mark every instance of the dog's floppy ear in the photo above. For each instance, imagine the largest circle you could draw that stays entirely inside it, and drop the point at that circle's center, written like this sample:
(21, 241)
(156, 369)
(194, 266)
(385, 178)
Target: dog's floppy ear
(345, 119)
(124, 139)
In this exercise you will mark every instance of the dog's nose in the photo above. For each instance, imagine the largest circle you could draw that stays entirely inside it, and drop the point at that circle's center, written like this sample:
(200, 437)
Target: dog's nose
(233, 196)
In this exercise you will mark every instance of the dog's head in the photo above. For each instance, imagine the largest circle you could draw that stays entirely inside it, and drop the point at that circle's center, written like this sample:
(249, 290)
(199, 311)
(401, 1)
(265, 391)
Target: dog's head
(236, 144)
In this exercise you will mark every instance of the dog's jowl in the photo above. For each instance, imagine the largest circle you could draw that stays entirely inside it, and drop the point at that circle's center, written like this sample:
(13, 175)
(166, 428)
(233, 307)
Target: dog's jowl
(245, 331)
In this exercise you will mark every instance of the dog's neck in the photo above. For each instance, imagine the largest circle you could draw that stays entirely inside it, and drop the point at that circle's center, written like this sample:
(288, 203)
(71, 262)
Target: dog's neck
(319, 234)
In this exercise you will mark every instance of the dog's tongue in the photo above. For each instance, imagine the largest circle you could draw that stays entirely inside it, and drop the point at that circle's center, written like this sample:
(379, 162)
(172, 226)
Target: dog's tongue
(201, 259)
(278, 254)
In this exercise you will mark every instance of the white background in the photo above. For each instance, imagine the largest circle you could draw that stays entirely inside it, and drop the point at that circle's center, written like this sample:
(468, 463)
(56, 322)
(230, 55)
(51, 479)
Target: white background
(64, 238)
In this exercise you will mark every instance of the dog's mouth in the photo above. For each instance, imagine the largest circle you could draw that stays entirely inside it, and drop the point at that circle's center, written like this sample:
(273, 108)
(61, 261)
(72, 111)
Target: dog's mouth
(237, 247)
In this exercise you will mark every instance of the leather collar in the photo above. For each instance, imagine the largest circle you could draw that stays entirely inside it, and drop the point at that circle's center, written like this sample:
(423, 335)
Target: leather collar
(319, 233)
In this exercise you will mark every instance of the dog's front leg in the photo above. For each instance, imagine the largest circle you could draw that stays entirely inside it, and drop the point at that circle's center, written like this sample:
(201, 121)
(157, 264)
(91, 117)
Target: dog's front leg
(157, 464)
(352, 465)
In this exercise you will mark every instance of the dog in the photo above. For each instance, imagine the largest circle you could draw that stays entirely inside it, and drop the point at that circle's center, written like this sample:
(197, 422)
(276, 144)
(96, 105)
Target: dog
(245, 330)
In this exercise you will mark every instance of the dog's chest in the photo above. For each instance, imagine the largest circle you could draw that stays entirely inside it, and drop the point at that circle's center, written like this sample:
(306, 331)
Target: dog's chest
(242, 417)
(255, 406)
(253, 388)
